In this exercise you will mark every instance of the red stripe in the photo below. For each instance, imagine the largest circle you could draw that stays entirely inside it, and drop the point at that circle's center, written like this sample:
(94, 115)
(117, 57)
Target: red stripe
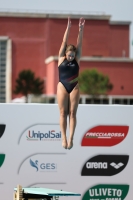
(72, 77)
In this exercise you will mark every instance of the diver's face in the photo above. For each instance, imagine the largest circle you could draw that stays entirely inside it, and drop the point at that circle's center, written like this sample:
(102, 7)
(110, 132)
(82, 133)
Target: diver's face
(70, 55)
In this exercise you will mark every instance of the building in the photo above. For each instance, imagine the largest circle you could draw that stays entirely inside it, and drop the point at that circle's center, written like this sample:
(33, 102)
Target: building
(32, 41)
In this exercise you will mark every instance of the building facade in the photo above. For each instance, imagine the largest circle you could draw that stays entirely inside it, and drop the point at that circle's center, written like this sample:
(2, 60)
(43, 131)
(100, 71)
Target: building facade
(32, 41)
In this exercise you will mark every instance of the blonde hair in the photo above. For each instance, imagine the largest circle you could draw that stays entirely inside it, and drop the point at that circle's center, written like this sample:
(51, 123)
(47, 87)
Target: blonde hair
(70, 47)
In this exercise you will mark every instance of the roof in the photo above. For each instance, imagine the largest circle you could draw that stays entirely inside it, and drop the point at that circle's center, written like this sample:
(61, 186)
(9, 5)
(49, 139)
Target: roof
(60, 15)
(46, 191)
(6, 13)
(120, 22)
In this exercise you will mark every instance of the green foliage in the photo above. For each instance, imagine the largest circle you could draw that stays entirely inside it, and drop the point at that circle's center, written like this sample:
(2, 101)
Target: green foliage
(27, 83)
(94, 83)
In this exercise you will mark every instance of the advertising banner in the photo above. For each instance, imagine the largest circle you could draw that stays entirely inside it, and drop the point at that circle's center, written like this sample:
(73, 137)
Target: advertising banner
(99, 166)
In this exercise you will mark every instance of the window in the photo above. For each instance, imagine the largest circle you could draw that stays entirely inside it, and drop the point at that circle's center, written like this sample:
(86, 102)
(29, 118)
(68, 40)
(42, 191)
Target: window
(51, 100)
(131, 101)
(97, 101)
(88, 101)
(116, 101)
(3, 47)
(80, 101)
(105, 101)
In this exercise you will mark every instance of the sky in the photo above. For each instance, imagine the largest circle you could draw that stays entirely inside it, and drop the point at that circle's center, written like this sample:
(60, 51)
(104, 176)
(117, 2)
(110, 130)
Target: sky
(120, 10)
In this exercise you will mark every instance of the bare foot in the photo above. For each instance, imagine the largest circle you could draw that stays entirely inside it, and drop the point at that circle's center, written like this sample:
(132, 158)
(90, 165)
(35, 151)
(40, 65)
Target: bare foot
(70, 144)
(64, 143)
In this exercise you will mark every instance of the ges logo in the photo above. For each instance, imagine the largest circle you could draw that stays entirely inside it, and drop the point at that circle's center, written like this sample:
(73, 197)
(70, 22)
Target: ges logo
(43, 166)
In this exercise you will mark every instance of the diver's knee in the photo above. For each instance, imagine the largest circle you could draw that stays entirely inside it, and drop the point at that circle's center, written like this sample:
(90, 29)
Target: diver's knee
(72, 114)
(63, 113)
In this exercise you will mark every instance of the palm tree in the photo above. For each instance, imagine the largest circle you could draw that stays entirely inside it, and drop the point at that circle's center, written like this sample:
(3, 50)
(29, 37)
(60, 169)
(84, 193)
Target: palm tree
(27, 83)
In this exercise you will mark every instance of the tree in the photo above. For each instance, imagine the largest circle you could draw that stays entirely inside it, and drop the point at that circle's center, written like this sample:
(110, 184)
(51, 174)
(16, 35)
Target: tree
(94, 83)
(27, 83)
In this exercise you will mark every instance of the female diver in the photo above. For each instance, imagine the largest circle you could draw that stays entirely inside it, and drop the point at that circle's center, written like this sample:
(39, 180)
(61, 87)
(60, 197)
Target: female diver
(68, 88)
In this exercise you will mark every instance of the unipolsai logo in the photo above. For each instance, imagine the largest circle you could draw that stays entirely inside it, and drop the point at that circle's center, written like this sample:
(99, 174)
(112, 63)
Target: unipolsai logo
(106, 192)
(41, 133)
(43, 136)
(2, 129)
(43, 166)
(2, 158)
(104, 165)
(104, 135)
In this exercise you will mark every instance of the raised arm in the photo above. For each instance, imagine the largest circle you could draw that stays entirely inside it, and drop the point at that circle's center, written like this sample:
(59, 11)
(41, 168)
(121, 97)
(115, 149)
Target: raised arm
(65, 39)
(80, 38)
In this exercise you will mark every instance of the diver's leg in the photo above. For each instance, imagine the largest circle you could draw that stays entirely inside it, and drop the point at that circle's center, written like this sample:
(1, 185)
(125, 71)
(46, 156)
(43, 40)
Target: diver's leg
(73, 105)
(63, 100)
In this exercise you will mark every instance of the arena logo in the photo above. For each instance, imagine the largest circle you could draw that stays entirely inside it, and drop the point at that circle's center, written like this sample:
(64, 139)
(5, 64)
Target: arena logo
(104, 165)
(2, 129)
(2, 158)
(106, 192)
(104, 135)
(43, 166)
(39, 136)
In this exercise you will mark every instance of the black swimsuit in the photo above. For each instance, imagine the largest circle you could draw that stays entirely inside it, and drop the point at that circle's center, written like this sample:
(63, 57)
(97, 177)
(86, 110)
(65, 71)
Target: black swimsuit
(68, 74)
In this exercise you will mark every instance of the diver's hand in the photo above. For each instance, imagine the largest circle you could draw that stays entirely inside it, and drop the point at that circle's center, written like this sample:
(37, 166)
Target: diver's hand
(69, 23)
(81, 23)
